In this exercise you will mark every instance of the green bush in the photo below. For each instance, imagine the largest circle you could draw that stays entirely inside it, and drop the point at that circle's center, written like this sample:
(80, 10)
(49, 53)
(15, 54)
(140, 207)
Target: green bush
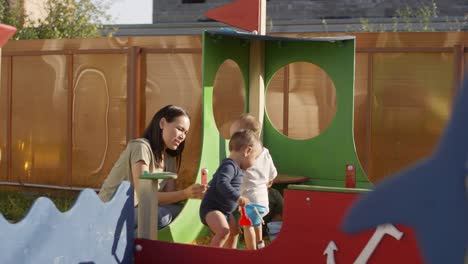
(405, 18)
(64, 19)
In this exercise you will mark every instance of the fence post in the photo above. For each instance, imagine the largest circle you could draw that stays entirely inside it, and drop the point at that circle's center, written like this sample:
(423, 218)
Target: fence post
(135, 104)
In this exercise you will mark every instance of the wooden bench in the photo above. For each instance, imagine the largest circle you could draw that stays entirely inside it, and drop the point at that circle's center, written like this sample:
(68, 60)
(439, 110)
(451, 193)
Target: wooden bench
(283, 180)
(290, 179)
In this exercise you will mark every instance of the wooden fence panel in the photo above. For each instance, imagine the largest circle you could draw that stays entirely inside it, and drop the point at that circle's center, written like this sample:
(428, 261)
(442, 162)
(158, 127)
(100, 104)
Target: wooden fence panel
(99, 116)
(39, 120)
(404, 86)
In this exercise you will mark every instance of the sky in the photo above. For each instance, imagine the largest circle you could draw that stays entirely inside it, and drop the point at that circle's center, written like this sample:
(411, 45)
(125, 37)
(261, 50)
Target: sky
(131, 11)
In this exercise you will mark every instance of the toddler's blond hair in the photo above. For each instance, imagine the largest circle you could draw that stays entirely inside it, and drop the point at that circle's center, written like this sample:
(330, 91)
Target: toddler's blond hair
(248, 121)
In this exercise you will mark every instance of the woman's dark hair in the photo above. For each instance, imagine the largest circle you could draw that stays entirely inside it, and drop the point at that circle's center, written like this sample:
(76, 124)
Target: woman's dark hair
(153, 133)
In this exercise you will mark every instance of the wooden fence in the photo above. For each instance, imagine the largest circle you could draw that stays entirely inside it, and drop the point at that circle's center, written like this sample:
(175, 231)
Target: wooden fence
(67, 107)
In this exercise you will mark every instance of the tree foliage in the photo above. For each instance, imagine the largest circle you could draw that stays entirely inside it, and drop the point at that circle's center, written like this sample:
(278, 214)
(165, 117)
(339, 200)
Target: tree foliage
(63, 19)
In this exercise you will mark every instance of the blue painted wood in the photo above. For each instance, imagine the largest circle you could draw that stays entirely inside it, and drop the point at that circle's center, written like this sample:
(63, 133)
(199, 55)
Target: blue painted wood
(90, 232)
(431, 196)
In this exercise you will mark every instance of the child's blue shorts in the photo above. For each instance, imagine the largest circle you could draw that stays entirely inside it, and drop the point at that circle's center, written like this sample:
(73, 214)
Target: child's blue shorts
(252, 215)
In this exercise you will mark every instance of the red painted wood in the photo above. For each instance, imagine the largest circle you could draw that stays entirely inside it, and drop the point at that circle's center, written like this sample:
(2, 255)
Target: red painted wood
(311, 221)
(6, 32)
(243, 14)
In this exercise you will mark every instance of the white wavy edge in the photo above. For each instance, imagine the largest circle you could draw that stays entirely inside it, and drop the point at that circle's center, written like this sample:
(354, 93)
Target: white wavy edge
(119, 194)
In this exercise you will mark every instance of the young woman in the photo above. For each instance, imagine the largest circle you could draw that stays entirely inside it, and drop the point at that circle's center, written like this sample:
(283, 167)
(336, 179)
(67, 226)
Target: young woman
(159, 149)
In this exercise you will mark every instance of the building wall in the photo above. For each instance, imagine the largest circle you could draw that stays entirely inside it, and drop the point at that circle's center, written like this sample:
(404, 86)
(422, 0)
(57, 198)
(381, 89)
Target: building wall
(278, 10)
(34, 9)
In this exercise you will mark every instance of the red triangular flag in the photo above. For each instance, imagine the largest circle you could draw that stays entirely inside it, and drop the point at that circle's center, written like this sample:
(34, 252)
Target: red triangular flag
(243, 14)
(6, 32)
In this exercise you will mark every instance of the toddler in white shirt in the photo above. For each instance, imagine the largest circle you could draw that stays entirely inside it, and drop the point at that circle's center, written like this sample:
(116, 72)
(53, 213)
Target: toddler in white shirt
(255, 185)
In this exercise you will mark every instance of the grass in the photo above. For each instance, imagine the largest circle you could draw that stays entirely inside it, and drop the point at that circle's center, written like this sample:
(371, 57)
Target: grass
(14, 205)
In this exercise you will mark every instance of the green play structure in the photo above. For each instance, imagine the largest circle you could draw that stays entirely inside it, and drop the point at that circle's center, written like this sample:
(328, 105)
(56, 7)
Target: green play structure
(322, 159)
(187, 226)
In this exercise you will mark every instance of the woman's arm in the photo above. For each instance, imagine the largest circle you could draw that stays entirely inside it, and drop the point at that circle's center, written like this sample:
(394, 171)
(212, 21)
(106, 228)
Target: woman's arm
(193, 191)
(171, 197)
(164, 197)
(137, 169)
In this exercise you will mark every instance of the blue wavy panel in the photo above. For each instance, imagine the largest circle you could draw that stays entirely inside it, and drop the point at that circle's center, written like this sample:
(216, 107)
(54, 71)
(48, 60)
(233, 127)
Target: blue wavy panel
(90, 232)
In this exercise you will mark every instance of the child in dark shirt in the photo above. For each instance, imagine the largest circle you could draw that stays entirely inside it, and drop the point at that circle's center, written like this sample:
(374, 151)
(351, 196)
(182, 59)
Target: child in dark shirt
(223, 195)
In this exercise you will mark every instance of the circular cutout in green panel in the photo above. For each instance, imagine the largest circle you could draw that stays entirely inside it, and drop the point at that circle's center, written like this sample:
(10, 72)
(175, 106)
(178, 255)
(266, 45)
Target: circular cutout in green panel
(301, 100)
(228, 96)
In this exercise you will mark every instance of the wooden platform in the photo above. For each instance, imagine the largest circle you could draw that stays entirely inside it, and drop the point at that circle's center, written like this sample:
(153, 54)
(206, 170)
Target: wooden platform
(290, 179)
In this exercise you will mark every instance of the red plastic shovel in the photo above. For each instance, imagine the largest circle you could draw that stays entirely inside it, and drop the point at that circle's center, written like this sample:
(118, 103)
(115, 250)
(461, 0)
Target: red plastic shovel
(244, 219)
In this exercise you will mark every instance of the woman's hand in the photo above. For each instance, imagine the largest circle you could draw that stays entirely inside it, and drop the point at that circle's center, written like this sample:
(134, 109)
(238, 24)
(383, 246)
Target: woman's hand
(195, 190)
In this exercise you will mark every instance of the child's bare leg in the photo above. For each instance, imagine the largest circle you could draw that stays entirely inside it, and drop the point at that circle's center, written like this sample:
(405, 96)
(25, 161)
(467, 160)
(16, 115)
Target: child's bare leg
(258, 233)
(231, 242)
(249, 237)
(219, 225)
(259, 237)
